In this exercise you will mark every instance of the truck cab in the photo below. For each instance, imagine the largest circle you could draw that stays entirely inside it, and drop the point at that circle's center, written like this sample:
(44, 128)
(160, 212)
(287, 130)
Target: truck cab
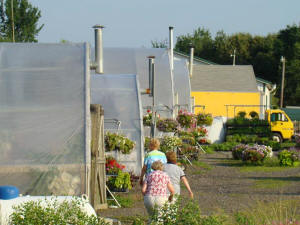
(281, 125)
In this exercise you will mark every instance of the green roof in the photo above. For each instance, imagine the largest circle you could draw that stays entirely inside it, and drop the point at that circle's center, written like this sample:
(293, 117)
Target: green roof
(293, 113)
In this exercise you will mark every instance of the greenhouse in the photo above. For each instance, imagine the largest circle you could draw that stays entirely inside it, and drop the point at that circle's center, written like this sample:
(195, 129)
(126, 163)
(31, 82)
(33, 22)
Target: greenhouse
(44, 117)
(121, 101)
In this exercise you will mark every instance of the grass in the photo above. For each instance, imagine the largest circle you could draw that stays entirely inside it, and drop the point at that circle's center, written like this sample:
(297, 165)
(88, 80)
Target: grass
(202, 165)
(271, 184)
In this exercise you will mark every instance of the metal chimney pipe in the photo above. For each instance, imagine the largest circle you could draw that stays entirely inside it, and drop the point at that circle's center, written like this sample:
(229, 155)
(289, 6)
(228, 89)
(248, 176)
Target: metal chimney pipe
(98, 48)
(171, 47)
(191, 61)
(151, 75)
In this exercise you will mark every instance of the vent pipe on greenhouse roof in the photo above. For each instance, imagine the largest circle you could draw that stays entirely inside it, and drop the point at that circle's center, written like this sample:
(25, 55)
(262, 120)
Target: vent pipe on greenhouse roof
(98, 64)
(171, 47)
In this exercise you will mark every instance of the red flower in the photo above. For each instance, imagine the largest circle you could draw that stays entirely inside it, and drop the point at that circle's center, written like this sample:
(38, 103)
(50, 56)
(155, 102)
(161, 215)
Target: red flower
(148, 110)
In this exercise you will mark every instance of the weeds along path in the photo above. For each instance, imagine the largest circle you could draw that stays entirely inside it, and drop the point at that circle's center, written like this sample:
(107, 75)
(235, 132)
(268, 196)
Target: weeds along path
(221, 184)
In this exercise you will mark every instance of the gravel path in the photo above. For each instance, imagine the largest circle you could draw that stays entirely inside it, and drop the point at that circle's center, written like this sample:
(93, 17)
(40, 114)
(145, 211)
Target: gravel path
(220, 183)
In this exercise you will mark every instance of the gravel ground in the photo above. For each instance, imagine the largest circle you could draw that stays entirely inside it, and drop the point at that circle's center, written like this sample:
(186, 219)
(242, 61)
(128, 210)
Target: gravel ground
(220, 183)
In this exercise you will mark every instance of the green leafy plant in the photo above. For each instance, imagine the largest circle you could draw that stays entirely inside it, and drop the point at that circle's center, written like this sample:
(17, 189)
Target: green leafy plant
(188, 140)
(53, 212)
(288, 157)
(167, 125)
(120, 182)
(147, 120)
(204, 119)
(252, 156)
(118, 142)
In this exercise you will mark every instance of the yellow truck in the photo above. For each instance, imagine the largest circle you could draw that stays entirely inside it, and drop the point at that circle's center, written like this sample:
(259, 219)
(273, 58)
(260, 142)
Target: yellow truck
(282, 127)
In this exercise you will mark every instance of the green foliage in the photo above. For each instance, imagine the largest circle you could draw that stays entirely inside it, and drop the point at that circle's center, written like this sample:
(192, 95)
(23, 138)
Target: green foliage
(252, 156)
(186, 119)
(204, 119)
(121, 181)
(188, 140)
(242, 114)
(147, 143)
(125, 202)
(53, 212)
(263, 52)
(159, 44)
(118, 142)
(25, 19)
(288, 157)
(242, 126)
(225, 146)
(253, 114)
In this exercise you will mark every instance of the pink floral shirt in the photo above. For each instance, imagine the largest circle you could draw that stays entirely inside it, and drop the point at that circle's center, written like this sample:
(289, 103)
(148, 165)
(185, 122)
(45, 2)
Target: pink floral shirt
(157, 183)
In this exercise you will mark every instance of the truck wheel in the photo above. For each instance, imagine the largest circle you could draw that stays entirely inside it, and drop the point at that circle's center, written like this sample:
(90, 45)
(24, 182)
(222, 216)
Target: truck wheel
(277, 137)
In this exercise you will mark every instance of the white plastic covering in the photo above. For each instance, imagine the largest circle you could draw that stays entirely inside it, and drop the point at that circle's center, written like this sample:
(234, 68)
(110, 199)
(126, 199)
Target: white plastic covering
(120, 99)
(44, 114)
(6, 206)
(182, 84)
(135, 61)
(217, 131)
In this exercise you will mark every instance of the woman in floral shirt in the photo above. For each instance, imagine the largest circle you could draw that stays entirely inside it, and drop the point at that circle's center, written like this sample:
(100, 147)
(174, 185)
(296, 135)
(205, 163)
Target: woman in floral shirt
(155, 188)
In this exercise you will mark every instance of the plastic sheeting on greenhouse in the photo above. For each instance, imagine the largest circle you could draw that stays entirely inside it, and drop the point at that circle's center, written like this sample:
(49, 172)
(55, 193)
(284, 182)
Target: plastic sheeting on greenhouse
(120, 99)
(182, 84)
(135, 61)
(44, 118)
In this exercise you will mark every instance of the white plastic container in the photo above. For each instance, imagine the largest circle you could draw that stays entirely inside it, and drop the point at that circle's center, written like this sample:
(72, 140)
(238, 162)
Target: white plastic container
(6, 206)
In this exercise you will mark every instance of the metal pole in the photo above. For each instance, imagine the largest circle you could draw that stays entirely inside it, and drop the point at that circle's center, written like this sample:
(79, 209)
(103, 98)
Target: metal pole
(152, 90)
(12, 20)
(171, 47)
(98, 48)
(282, 80)
(191, 60)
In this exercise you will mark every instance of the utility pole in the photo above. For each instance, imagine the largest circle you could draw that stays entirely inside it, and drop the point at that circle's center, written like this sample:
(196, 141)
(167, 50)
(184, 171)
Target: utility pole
(282, 80)
(12, 20)
(233, 55)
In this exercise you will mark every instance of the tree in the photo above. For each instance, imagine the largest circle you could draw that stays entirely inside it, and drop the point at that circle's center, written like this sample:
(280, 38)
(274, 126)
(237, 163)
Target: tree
(159, 44)
(19, 21)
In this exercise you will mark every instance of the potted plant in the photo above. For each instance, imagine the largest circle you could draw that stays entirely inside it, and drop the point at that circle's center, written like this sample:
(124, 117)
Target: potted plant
(112, 167)
(170, 143)
(204, 119)
(167, 125)
(118, 142)
(120, 182)
(186, 119)
(147, 119)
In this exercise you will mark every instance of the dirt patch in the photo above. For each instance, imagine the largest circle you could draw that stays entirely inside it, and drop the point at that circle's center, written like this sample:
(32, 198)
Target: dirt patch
(220, 183)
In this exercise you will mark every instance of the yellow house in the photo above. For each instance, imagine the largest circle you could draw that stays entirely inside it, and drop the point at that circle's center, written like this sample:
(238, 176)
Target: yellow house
(224, 90)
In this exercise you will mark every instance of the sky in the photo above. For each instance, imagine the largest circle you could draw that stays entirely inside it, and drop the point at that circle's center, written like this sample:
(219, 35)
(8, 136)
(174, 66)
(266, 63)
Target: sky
(135, 23)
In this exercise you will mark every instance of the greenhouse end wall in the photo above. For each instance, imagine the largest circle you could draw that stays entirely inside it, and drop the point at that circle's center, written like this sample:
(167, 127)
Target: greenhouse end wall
(44, 132)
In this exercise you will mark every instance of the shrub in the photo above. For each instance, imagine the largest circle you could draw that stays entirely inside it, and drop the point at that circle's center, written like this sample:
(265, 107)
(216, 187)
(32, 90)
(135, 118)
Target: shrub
(167, 125)
(53, 212)
(253, 156)
(226, 146)
(253, 114)
(288, 158)
(118, 142)
(237, 151)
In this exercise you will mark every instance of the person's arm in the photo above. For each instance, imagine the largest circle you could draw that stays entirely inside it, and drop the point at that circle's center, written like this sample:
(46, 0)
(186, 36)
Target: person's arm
(143, 171)
(171, 190)
(144, 188)
(186, 183)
